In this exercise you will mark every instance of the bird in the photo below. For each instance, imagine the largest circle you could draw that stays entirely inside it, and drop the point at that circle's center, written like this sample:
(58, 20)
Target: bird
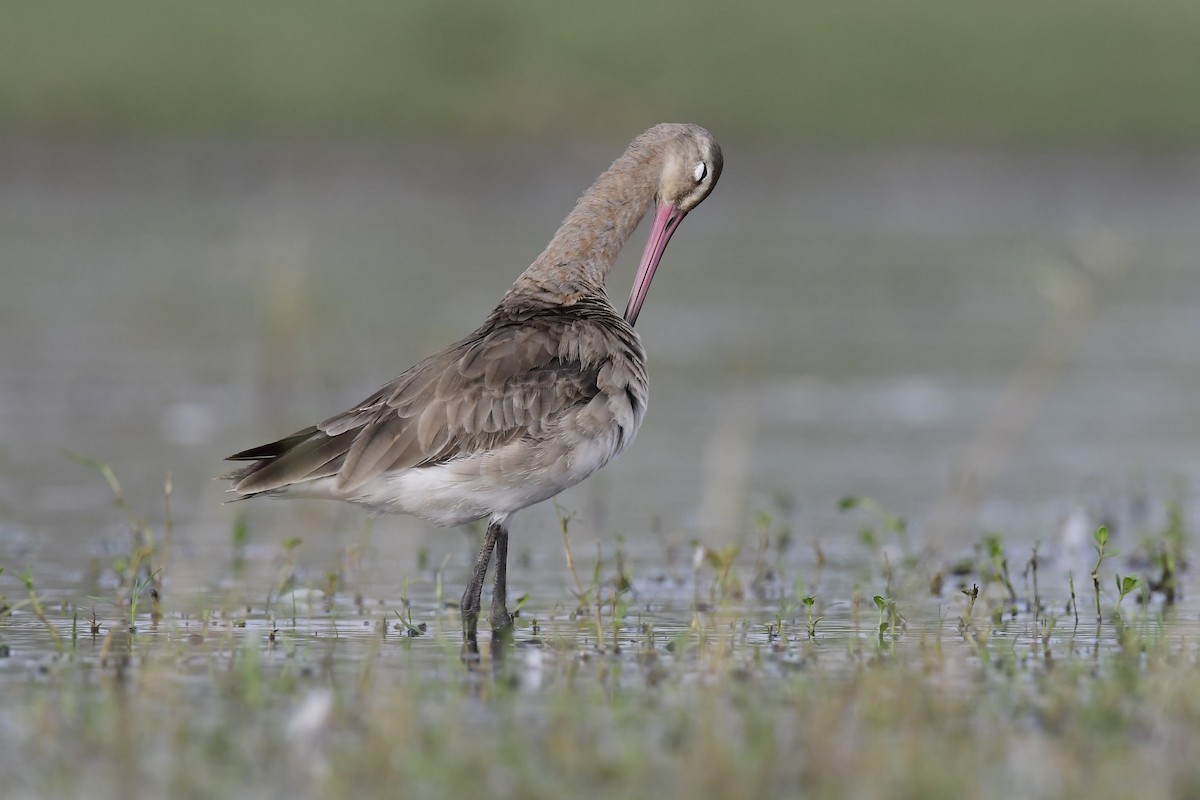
(549, 389)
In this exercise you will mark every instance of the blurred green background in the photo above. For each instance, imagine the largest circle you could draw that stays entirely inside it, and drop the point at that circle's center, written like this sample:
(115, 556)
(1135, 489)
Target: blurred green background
(851, 73)
(220, 221)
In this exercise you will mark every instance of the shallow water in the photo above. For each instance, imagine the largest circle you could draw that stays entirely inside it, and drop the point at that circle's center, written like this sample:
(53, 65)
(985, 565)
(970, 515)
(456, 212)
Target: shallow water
(978, 342)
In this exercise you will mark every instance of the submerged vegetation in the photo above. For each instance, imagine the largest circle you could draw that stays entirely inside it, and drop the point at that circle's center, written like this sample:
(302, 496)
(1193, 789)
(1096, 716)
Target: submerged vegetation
(738, 682)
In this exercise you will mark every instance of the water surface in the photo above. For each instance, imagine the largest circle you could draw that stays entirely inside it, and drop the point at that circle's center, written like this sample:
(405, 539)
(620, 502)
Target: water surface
(825, 325)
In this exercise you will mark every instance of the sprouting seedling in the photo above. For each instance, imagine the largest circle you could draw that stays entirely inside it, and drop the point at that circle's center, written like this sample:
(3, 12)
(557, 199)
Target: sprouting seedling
(723, 561)
(762, 565)
(594, 592)
(1168, 552)
(146, 552)
(889, 572)
(1074, 602)
(1166, 582)
(564, 524)
(775, 629)
(409, 627)
(136, 594)
(972, 595)
(889, 617)
(812, 621)
(623, 581)
(1031, 568)
(620, 610)
(1125, 586)
(995, 546)
(286, 576)
(404, 622)
(594, 589)
(1101, 537)
(439, 587)
(36, 604)
(1176, 531)
(1045, 630)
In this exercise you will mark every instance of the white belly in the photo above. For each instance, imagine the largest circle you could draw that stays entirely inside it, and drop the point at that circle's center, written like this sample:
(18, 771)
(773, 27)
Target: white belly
(495, 483)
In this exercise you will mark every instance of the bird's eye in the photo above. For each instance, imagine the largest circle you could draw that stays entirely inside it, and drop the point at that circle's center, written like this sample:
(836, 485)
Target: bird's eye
(700, 171)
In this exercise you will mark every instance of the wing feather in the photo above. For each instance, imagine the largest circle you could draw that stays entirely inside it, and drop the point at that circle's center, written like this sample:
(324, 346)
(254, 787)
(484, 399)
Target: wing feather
(309, 458)
(506, 381)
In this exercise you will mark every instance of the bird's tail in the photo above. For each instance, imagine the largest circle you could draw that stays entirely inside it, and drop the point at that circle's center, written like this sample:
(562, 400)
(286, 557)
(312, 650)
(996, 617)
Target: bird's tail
(304, 456)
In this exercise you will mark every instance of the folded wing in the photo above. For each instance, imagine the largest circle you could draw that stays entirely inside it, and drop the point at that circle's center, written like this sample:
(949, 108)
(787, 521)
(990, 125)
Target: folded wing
(502, 383)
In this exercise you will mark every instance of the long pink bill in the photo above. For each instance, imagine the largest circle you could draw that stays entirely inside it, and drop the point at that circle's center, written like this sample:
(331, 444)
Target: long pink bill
(666, 219)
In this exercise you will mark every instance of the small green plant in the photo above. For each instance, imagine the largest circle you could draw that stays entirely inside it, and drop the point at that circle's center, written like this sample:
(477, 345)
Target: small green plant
(1074, 604)
(597, 601)
(775, 629)
(36, 604)
(889, 617)
(582, 596)
(1125, 586)
(1045, 627)
(1175, 534)
(763, 570)
(968, 617)
(620, 610)
(623, 581)
(808, 602)
(135, 595)
(1031, 569)
(722, 560)
(439, 587)
(405, 622)
(1101, 538)
(1167, 582)
(1167, 551)
(999, 565)
(520, 603)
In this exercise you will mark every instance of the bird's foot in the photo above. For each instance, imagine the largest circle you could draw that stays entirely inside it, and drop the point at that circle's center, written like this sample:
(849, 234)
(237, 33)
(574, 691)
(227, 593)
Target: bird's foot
(500, 619)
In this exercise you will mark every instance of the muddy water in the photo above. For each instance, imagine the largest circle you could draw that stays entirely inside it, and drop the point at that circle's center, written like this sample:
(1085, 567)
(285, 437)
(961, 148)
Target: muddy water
(977, 342)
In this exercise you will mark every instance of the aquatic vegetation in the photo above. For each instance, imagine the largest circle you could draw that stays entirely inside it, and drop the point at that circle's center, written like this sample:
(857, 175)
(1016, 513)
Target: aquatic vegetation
(298, 681)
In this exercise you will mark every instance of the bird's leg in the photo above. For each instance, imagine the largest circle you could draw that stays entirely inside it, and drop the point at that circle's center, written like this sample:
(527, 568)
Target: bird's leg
(470, 599)
(500, 618)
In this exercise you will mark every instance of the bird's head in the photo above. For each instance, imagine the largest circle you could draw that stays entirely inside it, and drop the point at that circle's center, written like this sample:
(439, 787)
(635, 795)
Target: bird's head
(691, 164)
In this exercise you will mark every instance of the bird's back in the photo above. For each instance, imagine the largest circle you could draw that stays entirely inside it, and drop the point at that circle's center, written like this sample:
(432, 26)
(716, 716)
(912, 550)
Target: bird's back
(534, 401)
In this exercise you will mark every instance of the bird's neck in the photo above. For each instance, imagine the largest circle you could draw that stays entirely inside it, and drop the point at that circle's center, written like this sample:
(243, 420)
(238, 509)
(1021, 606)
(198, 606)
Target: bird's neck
(579, 257)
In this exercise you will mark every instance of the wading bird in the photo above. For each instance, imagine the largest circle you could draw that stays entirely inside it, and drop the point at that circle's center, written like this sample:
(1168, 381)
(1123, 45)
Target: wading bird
(548, 390)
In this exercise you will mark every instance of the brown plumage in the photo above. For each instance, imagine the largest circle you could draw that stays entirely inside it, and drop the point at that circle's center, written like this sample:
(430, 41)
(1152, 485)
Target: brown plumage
(549, 389)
